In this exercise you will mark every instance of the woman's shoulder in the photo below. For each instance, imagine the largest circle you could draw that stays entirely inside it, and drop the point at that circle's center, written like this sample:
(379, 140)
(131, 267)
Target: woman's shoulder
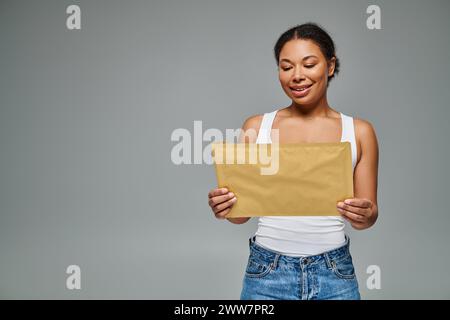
(366, 138)
(363, 128)
(253, 122)
(250, 128)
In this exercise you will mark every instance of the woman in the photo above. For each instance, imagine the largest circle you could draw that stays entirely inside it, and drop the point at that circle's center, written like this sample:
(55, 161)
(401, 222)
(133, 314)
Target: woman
(308, 257)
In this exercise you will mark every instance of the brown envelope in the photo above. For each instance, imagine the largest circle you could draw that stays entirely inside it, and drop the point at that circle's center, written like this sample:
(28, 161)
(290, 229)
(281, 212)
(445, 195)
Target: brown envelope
(293, 179)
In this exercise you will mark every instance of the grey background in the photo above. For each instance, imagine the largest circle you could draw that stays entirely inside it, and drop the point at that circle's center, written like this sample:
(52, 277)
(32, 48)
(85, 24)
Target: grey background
(86, 117)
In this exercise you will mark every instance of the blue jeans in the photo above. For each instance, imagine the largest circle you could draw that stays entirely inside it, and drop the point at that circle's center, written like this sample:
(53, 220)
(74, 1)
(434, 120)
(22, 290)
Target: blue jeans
(270, 275)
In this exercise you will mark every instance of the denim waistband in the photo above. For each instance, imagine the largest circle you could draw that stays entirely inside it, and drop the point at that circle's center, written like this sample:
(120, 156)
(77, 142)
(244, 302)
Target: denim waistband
(327, 256)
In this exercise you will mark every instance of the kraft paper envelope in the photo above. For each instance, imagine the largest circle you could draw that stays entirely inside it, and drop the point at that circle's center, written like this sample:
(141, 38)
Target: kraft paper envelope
(293, 179)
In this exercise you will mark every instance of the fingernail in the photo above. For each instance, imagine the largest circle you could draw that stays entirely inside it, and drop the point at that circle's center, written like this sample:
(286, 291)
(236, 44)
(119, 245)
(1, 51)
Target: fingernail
(347, 201)
(340, 204)
(234, 199)
(231, 194)
(224, 190)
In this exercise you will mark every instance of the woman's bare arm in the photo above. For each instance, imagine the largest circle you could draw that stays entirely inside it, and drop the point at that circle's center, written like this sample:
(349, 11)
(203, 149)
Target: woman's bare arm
(365, 179)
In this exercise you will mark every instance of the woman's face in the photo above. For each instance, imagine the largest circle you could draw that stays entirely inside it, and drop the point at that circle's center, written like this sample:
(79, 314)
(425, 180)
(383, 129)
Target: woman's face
(302, 65)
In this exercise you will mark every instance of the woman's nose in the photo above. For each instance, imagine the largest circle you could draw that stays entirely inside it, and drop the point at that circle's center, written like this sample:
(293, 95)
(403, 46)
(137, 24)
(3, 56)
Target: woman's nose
(298, 74)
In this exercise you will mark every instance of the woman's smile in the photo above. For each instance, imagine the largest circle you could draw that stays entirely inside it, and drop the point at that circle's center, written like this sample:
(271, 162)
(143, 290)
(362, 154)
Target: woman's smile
(300, 91)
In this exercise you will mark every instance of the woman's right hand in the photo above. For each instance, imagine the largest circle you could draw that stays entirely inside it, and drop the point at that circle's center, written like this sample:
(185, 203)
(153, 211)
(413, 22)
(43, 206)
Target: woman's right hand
(221, 201)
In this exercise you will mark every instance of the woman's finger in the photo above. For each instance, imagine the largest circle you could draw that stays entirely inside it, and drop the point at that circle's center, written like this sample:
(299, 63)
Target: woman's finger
(224, 205)
(220, 199)
(356, 225)
(357, 202)
(217, 192)
(355, 210)
(357, 218)
(223, 213)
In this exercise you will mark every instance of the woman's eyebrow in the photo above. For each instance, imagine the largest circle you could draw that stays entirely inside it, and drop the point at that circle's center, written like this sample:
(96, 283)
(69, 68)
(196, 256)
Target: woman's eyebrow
(310, 56)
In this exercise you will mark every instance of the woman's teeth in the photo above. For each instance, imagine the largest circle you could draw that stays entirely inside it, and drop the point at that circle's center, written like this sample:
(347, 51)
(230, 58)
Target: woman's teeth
(302, 89)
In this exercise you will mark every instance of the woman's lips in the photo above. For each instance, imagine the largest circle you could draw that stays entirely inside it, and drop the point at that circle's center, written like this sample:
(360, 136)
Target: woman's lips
(299, 94)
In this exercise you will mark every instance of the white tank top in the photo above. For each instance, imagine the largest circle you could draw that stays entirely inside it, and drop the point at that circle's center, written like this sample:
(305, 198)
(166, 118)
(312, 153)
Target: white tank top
(302, 235)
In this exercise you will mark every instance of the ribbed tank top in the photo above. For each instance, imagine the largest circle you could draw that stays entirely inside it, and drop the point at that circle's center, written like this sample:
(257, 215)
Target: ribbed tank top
(302, 235)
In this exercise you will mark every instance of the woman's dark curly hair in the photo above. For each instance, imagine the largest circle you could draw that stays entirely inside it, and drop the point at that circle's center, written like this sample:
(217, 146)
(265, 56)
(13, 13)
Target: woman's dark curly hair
(310, 31)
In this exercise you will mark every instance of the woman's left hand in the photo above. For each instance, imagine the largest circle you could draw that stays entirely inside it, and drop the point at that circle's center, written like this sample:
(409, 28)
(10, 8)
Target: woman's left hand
(361, 213)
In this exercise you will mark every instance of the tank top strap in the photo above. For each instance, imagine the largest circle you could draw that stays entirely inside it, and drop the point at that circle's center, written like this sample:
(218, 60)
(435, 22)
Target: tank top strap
(266, 127)
(348, 134)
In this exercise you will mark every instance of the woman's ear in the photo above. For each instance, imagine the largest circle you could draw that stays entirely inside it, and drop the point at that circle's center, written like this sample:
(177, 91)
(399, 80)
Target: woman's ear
(331, 66)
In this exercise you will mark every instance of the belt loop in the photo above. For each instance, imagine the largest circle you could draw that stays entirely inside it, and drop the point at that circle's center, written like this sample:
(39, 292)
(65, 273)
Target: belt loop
(251, 240)
(327, 260)
(275, 261)
(347, 247)
(347, 240)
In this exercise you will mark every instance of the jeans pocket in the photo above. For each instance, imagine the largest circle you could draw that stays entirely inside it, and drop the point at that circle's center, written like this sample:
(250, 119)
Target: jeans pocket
(343, 268)
(258, 266)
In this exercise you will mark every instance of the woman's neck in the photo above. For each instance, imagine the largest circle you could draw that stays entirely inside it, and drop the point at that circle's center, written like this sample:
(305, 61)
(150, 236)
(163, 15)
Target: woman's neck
(318, 110)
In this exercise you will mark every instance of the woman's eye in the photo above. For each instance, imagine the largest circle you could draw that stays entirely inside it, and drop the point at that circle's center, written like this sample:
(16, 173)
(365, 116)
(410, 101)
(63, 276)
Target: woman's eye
(308, 66)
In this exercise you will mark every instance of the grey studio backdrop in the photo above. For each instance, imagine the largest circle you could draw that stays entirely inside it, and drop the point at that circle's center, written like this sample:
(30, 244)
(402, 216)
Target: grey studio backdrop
(86, 176)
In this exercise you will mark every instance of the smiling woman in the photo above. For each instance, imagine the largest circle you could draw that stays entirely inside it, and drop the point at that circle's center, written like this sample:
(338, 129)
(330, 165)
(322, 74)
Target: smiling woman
(309, 56)
(286, 249)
